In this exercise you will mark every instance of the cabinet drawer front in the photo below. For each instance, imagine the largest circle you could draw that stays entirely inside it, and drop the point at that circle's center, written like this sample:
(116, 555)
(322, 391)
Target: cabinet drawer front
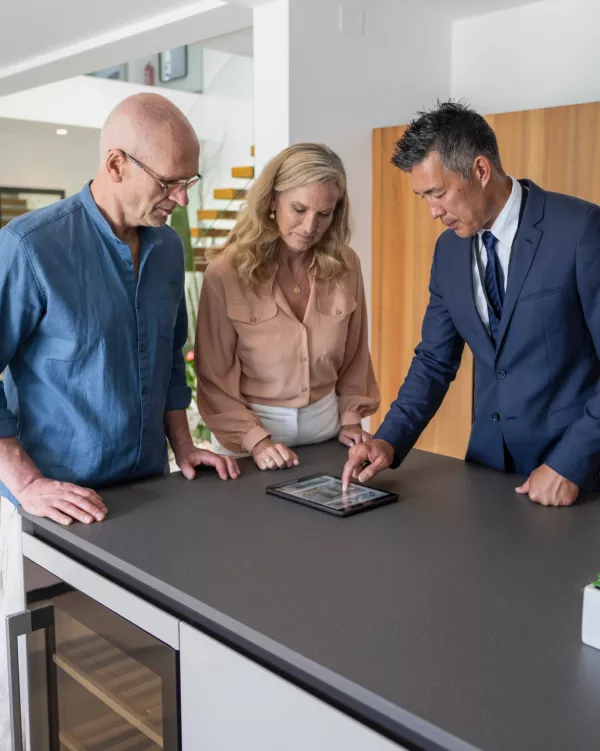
(228, 702)
(135, 610)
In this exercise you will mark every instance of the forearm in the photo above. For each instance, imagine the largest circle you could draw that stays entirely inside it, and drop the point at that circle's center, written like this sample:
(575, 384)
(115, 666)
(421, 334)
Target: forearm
(177, 428)
(16, 467)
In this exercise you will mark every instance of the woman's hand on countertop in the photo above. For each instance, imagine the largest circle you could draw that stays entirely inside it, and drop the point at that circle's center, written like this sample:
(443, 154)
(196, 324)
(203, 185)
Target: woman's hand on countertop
(352, 435)
(270, 455)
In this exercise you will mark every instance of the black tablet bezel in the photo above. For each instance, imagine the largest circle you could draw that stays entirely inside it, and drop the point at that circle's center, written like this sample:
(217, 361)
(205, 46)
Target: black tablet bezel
(388, 497)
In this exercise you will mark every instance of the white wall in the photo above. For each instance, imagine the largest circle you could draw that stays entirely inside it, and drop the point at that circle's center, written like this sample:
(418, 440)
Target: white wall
(33, 156)
(342, 85)
(271, 80)
(541, 55)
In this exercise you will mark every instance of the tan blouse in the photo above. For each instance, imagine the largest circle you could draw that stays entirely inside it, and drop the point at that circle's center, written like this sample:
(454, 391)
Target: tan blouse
(252, 349)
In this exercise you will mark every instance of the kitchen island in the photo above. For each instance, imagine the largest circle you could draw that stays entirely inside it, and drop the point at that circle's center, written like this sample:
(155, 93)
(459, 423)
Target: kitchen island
(449, 620)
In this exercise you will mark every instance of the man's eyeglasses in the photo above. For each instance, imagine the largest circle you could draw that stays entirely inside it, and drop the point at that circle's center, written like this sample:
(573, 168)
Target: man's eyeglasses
(167, 186)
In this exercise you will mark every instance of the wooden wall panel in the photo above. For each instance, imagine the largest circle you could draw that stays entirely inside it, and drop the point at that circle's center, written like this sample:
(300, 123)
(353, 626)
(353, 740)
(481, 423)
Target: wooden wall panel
(558, 148)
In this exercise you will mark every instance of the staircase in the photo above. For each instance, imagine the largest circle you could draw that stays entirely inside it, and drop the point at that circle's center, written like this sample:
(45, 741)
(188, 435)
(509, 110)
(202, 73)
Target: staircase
(215, 224)
(10, 207)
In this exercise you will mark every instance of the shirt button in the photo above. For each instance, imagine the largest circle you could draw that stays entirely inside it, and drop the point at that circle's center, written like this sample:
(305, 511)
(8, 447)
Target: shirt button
(145, 431)
(253, 319)
(304, 388)
(142, 347)
(338, 312)
(502, 374)
(129, 263)
(496, 417)
(145, 390)
(138, 305)
(303, 359)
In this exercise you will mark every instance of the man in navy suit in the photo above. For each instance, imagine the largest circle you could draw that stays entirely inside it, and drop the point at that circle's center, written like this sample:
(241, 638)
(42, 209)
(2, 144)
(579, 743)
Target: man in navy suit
(517, 277)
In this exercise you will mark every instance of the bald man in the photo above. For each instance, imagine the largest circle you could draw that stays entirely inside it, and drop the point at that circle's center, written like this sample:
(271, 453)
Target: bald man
(92, 325)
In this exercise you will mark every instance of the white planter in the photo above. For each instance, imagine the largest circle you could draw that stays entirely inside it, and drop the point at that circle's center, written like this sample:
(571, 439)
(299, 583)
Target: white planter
(193, 283)
(590, 625)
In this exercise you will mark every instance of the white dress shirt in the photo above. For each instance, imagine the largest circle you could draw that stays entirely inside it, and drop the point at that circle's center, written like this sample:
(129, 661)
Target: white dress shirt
(504, 230)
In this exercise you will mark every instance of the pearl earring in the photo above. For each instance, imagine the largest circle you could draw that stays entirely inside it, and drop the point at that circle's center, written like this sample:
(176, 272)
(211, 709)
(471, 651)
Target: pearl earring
(272, 215)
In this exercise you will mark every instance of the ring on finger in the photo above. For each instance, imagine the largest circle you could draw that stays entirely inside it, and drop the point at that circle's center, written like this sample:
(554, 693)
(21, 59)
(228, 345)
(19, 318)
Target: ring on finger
(268, 460)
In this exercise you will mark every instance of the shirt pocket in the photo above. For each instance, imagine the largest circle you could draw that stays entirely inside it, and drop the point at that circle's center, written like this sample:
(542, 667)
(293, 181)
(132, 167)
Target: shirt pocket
(335, 313)
(169, 297)
(259, 334)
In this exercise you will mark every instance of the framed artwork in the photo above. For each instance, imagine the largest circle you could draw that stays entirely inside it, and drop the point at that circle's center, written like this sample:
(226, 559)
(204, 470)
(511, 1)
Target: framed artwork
(173, 64)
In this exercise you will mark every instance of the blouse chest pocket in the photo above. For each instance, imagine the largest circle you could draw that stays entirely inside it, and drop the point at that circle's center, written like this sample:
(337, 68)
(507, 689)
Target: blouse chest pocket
(258, 330)
(335, 310)
(338, 307)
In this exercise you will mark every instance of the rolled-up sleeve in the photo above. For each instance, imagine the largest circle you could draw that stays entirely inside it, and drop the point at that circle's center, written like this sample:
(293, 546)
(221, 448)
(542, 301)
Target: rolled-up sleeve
(357, 387)
(179, 394)
(22, 303)
(223, 408)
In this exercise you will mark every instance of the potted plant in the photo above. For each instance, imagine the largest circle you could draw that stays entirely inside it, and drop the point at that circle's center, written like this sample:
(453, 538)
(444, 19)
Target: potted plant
(590, 626)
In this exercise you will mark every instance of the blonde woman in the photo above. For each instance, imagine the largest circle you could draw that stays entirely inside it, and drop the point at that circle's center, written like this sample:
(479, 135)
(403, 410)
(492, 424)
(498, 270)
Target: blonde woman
(282, 352)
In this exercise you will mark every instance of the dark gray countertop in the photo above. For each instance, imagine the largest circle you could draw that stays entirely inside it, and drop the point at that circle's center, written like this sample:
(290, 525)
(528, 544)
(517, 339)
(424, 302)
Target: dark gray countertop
(453, 614)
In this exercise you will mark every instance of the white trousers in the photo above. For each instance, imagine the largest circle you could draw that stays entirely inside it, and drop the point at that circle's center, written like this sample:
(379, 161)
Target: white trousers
(296, 426)
(12, 600)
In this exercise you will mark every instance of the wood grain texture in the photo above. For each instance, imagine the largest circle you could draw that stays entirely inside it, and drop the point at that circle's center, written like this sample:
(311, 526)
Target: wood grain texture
(404, 237)
(558, 148)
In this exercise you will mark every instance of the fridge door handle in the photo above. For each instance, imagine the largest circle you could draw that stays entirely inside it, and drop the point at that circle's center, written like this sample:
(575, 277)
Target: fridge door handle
(20, 624)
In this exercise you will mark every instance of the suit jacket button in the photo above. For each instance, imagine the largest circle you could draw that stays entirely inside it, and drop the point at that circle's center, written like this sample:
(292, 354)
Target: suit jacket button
(597, 477)
(502, 374)
(496, 417)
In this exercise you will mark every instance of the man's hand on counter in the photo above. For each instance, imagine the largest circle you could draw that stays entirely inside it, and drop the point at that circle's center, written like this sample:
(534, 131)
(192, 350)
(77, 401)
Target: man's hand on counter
(547, 487)
(188, 457)
(366, 460)
(62, 501)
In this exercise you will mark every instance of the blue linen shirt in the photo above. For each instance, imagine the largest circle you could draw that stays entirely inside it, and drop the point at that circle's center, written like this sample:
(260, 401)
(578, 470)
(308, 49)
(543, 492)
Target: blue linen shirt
(93, 356)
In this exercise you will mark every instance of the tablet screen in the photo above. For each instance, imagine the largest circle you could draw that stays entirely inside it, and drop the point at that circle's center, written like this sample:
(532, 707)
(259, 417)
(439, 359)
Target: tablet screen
(326, 490)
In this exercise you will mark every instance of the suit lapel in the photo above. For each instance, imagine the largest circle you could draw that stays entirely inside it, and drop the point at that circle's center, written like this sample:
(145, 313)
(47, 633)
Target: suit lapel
(525, 247)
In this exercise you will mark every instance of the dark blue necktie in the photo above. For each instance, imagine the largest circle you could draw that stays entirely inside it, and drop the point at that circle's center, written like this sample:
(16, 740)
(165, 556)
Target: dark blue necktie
(494, 284)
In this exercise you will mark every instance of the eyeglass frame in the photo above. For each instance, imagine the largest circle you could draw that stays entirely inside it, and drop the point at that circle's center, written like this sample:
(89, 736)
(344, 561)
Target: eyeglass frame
(167, 186)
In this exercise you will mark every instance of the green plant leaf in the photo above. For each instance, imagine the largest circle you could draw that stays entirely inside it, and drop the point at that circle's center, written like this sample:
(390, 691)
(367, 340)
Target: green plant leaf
(181, 224)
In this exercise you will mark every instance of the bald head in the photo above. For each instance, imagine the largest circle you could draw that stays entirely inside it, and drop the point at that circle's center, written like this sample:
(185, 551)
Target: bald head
(146, 143)
(146, 125)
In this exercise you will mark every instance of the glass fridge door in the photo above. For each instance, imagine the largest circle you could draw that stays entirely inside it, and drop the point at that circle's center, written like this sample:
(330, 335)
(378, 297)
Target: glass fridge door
(96, 681)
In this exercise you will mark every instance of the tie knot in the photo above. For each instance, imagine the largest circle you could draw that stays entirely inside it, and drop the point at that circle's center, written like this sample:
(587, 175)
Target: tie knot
(489, 241)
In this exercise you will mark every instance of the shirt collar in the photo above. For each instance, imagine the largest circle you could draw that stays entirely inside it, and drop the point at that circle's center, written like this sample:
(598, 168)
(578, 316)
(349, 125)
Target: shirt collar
(505, 227)
(149, 235)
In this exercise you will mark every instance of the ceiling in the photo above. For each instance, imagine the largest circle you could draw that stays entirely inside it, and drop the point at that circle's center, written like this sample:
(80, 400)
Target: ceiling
(42, 26)
(45, 40)
(457, 9)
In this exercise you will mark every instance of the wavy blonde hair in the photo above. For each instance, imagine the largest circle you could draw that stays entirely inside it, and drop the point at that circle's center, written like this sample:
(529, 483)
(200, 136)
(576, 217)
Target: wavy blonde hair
(253, 241)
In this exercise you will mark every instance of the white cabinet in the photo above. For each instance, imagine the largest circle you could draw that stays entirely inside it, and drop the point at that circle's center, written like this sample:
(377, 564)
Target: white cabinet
(229, 703)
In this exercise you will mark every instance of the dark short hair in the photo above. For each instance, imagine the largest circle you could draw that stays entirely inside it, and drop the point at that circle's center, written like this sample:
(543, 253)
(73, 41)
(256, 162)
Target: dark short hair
(455, 132)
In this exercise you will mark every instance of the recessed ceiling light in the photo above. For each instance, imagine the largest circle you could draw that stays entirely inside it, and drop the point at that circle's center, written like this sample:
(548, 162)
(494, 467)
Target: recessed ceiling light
(62, 132)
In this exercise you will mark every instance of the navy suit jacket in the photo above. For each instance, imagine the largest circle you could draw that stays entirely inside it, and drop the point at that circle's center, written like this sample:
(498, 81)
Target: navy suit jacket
(537, 391)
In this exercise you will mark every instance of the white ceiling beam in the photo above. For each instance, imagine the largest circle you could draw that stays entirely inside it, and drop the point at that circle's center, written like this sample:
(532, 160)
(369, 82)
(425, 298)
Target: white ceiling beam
(187, 25)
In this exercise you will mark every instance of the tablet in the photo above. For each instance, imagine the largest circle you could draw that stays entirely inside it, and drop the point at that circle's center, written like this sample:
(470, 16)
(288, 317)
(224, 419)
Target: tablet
(324, 492)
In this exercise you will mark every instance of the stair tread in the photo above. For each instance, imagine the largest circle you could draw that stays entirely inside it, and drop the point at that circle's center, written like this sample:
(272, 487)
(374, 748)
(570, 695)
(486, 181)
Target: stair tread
(208, 232)
(243, 172)
(217, 214)
(235, 194)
